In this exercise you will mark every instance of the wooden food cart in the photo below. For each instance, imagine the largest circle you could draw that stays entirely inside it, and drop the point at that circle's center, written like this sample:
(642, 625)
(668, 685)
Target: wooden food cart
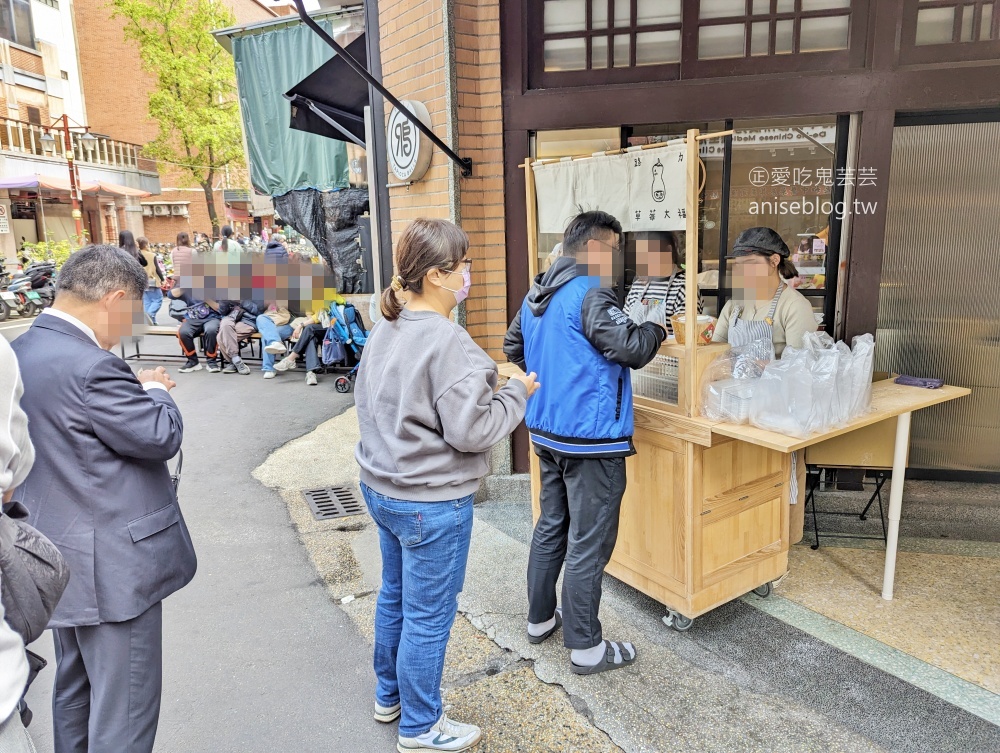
(705, 518)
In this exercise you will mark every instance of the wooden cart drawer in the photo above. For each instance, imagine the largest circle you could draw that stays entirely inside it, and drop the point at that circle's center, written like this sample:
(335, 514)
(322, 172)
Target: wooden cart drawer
(743, 497)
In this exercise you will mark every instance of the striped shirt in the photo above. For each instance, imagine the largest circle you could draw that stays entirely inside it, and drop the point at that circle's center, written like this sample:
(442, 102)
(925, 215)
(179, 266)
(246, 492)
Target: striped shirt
(670, 291)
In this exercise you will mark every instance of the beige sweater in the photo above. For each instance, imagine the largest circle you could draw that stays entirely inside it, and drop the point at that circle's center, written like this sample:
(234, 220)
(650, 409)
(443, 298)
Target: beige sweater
(792, 319)
(16, 457)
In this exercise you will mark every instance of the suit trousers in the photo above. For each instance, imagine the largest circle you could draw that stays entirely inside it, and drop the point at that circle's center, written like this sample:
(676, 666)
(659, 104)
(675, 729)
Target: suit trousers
(107, 686)
(580, 502)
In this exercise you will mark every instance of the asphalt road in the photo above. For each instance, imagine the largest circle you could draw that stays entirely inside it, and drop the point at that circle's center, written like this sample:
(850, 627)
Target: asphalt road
(256, 656)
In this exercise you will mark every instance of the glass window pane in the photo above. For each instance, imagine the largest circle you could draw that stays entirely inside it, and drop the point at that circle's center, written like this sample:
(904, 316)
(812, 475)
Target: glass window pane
(721, 41)
(825, 4)
(935, 25)
(760, 33)
(598, 14)
(786, 6)
(968, 14)
(22, 23)
(780, 179)
(623, 13)
(783, 37)
(599, 52)
(566, 54)
(987, 24)
(761, 7)
(650, 12)
(722, 8)
(565, 15)
(658, 47)
(824, 33)
(622, 51)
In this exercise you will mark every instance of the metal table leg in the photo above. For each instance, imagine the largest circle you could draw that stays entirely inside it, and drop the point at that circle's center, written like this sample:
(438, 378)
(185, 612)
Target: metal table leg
(895, 502)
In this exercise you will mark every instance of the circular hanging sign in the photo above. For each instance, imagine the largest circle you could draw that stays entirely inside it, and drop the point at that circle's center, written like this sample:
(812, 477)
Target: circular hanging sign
(409, 150)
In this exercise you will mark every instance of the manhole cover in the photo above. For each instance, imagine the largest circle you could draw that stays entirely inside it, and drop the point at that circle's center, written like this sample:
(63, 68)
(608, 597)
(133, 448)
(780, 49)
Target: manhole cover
(333, 502)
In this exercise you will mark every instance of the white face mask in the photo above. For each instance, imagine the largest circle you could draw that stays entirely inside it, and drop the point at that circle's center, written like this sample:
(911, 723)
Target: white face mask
(462, 293)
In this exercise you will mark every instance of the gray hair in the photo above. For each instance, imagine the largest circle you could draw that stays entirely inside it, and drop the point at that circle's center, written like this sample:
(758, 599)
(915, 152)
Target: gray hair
(94, 271)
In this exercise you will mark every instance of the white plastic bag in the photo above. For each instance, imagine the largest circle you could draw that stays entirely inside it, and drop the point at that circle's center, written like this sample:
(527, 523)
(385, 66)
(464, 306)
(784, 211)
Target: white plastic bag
(862, 368)
(782, 399)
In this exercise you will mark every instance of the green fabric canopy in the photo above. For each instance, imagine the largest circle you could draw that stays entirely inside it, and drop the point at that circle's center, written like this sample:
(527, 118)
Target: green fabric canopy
(281, 159)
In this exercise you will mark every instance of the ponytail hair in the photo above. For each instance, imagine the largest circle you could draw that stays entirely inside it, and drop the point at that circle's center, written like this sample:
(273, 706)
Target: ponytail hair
(425, 245)
(787, 270)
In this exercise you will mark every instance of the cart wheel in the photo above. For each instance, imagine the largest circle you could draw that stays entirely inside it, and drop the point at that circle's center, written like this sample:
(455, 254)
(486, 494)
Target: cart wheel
(343, 384)
(763, 591)
(678, 621)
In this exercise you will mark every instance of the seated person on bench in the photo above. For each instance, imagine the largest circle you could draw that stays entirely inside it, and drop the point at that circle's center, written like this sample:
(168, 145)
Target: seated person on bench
(310, 339)
(239, 321)
(200, 319)
(274, 327)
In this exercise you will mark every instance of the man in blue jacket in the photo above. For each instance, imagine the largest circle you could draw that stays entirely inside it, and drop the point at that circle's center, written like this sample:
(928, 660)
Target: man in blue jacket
(572, 332)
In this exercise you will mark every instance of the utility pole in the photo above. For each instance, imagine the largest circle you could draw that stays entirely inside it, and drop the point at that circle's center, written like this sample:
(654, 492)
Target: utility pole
(74, 178)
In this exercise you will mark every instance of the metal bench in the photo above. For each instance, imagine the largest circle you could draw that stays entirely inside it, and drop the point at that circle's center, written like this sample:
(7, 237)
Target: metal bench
(251, 341)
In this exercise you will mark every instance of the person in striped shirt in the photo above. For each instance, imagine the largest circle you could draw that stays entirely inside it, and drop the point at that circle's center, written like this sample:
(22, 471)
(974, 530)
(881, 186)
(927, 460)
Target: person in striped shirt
(658, 291)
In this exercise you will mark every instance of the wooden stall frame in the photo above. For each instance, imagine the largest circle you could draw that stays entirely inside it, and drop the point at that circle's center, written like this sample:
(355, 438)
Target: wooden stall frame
(727, 515)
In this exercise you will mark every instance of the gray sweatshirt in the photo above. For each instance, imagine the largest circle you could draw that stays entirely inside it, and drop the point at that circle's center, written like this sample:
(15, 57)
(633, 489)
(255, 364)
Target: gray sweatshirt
(428, 409)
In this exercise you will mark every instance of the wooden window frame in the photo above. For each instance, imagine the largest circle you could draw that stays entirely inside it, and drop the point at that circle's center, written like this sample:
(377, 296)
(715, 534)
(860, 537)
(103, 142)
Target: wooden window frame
(951, 52)
(690, 67)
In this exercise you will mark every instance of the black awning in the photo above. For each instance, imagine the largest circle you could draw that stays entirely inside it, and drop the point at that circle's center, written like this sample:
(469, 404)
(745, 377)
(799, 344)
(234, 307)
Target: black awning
(331, 100)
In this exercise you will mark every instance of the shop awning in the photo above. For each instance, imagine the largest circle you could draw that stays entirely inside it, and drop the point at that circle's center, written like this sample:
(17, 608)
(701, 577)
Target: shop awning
(43, 183)
(331, 100)
(116, 190)
(48, 183)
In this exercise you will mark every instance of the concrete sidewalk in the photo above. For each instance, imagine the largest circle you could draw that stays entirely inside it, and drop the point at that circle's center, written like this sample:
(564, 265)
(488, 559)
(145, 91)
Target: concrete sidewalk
(741, 680)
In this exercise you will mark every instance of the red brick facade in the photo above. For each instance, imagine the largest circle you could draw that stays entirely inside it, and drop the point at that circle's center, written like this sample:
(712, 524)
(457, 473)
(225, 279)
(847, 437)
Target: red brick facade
(417, 63)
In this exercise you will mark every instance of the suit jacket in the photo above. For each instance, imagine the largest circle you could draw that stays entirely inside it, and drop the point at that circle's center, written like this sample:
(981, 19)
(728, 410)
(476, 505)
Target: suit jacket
(100, 488)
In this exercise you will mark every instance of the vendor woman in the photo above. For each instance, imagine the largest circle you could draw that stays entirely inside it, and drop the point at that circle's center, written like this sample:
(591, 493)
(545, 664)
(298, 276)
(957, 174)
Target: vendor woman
(658, 292)
(764, 304)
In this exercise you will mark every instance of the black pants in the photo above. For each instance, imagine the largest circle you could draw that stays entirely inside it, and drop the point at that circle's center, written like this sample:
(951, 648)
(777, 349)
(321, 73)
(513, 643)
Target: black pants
(578, 525)
(207, 329)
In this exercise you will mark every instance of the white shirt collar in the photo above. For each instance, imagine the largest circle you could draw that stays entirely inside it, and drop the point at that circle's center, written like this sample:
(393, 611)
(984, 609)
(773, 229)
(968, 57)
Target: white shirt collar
(75, 322)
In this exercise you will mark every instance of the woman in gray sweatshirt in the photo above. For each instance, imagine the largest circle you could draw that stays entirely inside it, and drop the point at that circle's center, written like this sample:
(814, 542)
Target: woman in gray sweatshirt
(429, 412)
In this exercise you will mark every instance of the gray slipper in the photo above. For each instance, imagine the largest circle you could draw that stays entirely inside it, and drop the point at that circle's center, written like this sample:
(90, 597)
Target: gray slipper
(615, 649)
(547, 634)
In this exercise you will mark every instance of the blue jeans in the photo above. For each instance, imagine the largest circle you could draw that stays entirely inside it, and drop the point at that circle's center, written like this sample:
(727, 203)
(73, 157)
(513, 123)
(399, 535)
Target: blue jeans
(425, 548)
(152, 299)
(271, 333)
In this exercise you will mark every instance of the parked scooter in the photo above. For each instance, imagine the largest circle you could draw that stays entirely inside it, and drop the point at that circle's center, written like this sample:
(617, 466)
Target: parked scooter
(29, 291)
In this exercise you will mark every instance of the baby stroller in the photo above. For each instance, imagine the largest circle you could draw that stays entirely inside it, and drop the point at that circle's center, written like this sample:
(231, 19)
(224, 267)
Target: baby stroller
(343, 344)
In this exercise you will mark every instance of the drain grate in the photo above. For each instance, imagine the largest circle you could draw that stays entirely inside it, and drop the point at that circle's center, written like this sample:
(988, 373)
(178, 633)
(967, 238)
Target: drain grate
(333, 502)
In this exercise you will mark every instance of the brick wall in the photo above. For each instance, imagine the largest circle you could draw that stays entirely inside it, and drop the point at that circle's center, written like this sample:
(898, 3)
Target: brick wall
(412, 38)
(480, 136)
(116, 92)
(27, 61)
(415, 65)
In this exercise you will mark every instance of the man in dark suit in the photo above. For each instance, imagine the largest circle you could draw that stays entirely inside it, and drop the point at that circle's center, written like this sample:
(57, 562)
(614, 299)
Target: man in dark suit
(101, 490)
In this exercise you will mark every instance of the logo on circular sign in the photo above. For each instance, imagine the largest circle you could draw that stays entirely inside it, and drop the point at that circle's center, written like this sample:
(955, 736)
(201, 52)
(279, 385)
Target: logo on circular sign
(409, 150)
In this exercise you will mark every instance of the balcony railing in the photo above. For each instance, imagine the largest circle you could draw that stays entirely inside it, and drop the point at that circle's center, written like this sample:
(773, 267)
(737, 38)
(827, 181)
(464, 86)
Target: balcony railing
(26, 138)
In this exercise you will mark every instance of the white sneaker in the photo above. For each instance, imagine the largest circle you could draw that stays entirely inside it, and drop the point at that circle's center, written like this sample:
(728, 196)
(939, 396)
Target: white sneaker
(445, 735)
(311, 379)
(270, 375)
(387, 714)
(286, 363)
(275, 348)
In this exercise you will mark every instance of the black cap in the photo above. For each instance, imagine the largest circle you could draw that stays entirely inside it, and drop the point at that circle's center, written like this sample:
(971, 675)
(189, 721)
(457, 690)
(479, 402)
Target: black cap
(759, 240)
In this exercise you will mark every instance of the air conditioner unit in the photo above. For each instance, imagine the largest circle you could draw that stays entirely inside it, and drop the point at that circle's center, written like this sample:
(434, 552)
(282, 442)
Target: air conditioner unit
(147, 211)
(179, 210)
(161, 210)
